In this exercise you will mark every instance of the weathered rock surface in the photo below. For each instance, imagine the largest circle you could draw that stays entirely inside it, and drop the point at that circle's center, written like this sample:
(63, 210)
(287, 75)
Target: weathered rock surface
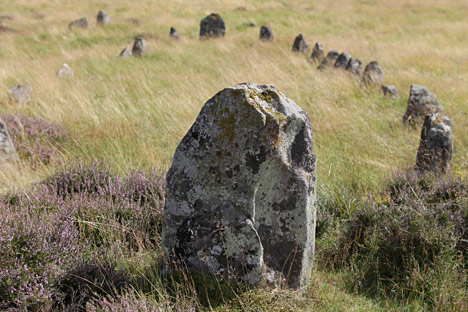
(266, 34)
(373, 74)
(421, 103)
(355, 66)
(436, 147)
(21, 93)
(212, 26)
(317, 53)
(126, 52)
(241, 191)
(7, 149)
(329, 60)
(300, 44)
(173, 34)
(79, 23)
(102, 18)
(139, 47)
(65, 72)
(342, 61)
(390, 91)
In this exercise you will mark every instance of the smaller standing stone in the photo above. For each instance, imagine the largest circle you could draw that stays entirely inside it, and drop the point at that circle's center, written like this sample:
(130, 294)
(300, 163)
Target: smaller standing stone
(436, 147)
(212, 26)
(300, 45)
(373, 74)
(103, 18)
(329, 60)
(342, 60)
(65, 72)
(126, 52)
(266, 34)
(139, 47)
(355, 66)
(7, 149)
(317, 53)
(21, 93)
(173, 34)
(79, 23)
(421, 103)
(390, 91)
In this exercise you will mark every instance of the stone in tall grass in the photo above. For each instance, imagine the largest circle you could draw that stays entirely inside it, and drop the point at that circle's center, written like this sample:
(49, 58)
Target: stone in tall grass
(317, 52)
(373, 74)
(7, 149)
(421, 103)
(212, 26)
(126, 52)
(102, 18)
(329, 60)
(241, 191)
(173, 34)
(79, 23)
(20, 93)
(355, 67)
(139, 47)
(65, 72)
(436, 147)
(342, 61)
(300, 44)
(390, 91)
(266, 34)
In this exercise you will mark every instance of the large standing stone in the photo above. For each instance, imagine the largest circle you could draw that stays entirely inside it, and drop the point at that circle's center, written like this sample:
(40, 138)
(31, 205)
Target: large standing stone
(355, 66)
(373, 74)
(300, 44)
(102, 18)
(7, 149)
(139, 47)
(21, 93)
(79, 23)
(212, 26)
(329, 60)
(173, 34)
(317, 53)
(390, 91)
(421, 103)
(342, 60)
(65, 72)
(266, 34)
(436, 147)
(241, 191)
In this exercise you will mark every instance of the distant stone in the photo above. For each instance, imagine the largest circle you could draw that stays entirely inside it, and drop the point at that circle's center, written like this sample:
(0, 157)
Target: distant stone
(241, 191)
(317, 53)
(102, 18)
(436, 147)
(390, 91)
(266, 34)
(79, 23)
(139, 47)
(421, 103)
(65, 72)
(355, 66)
(173, 34)
(7, 149)
(6, 29)
(126, 52)
(300, 44)
(329, 60)
(6, 17)
(212, 26)
(373, 74)
(21, 93)
(342, 61)
(250, 23)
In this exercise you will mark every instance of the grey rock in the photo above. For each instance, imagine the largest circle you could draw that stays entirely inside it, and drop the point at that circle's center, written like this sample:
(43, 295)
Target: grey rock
(21, 93)
(355, 66)
(250, 23)
(390, 91)
(212, 26)
(317, 53)
(79, 23)
(139, 47)
(421, 103)
(126, 52)
(102, 18)
(436, 147)
(65, 72)
(329, 60)
(342, 61)
(241, 191)
(300, 44)
(373, 74)
(7, 149)
(266, 34)
(173, 34)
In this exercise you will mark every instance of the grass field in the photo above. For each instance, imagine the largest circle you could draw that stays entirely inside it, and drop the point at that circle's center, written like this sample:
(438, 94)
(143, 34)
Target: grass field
(131, 113)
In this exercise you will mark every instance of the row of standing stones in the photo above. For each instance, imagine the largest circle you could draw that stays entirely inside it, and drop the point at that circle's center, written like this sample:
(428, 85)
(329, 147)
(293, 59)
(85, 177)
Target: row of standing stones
(241, 191)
